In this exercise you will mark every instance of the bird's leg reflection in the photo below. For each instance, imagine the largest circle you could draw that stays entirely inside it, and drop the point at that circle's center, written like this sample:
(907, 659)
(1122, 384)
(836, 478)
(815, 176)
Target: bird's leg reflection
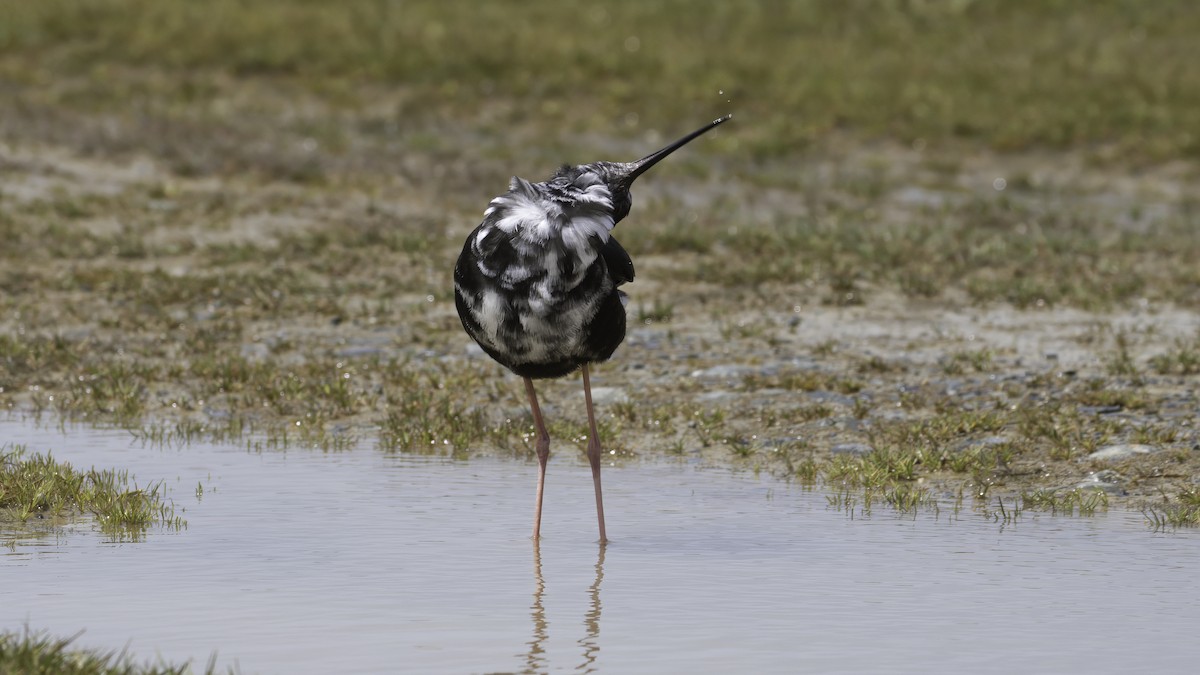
(591, 620)
(535, 658)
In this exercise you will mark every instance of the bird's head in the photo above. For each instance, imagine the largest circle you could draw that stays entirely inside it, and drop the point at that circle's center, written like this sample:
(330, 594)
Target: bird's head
(619, 176)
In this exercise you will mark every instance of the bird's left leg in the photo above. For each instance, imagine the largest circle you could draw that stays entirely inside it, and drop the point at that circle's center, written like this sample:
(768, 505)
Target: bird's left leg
(593, 450)
(543, 455)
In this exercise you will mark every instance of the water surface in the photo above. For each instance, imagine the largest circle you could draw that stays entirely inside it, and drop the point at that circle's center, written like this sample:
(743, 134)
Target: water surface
(303, 562)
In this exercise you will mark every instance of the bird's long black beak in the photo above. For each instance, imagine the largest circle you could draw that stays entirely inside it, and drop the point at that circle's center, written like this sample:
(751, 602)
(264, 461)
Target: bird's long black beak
(642, 165)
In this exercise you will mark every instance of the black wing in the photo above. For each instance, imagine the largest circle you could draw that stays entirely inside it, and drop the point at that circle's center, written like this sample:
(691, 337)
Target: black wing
(620, 265)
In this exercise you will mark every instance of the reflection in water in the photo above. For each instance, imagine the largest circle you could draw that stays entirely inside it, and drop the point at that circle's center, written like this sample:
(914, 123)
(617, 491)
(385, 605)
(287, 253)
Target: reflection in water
(591, 621)
(535, 658)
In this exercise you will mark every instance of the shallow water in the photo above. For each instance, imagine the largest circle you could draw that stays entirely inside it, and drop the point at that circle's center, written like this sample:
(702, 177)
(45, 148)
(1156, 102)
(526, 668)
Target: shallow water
(303, 562)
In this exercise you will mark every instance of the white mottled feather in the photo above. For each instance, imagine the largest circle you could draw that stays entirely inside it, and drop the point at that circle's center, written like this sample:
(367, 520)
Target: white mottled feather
(492, 310)
(529, 214)
(576, 234)
(537, 244)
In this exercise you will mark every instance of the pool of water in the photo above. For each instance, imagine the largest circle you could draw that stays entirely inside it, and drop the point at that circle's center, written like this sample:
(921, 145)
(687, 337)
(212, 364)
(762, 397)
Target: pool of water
(304, 562)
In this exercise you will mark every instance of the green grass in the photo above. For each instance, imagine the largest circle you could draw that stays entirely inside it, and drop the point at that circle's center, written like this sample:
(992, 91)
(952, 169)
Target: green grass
(1181, 511)
(804, 381)
(30, 653)
(959, 362)
(1012, 75)
(1070, 259)
(1182, 359)
(38, 486)
(1065, 502)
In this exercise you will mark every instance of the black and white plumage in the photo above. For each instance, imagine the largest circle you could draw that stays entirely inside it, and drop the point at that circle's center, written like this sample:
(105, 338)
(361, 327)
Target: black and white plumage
(536, 284)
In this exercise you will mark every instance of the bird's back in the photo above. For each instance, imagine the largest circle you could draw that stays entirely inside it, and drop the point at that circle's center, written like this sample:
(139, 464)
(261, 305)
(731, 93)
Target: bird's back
(536, 282)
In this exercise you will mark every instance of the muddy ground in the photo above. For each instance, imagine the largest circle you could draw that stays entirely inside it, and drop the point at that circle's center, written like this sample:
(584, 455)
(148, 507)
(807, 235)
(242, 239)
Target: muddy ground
(322, 315)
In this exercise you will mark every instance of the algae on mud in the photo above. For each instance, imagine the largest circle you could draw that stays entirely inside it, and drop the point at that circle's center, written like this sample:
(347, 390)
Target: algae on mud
(973, 254)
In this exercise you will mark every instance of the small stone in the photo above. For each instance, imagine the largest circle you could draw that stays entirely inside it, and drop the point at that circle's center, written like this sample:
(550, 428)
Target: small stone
(1122, 451)
(727, 371)
(609, 395)
(1108, 481)
(831, 397)
(716, 395)
(851, 449)
(980, 443)
(1100, 409)
(255, 351)
(361, 351)
(782, 441)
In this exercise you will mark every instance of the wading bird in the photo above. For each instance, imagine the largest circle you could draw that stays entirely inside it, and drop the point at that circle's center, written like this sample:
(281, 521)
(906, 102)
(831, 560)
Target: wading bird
(536, 283)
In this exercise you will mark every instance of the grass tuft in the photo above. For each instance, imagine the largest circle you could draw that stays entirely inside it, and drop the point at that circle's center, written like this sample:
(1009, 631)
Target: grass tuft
(1080, 502)
(38, 486)
(1182, 511)
(37, 653)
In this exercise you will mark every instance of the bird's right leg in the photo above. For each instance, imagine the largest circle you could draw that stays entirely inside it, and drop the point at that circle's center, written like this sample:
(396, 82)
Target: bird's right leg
(593, 450)
(543, 455)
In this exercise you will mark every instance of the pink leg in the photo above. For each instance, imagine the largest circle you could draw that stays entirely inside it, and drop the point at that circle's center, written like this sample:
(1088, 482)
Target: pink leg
(543, 455)
(593, 450)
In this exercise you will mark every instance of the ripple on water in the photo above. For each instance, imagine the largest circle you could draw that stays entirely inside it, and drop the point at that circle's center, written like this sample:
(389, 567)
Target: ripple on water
(309, 562)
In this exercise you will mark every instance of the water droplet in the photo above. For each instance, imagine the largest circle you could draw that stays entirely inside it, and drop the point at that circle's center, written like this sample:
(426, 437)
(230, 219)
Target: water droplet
(720, 92)
(999, 184)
